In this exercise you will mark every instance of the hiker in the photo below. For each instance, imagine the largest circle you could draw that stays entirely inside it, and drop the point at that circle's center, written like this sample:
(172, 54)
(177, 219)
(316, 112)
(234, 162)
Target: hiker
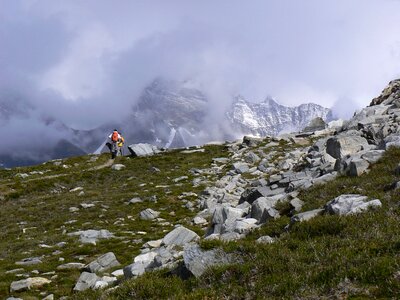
(120, 144)
(113, 146)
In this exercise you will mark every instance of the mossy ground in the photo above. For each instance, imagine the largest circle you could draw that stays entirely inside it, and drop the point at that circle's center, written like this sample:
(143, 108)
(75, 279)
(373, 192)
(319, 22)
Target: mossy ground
(40, 205)
(329, 257)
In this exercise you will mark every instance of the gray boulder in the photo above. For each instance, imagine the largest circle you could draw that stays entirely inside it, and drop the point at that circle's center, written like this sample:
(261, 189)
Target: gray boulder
(29, 261)
(296, 204)
(244, 226)
(373, 156)
(92, 236)
(340, 146)
(103, 263)
(180, 236)
(308, 215)
(143, 149)
(251, 158)
(315, 125)
(252, 141)
(134, 270)
(197, 261)
(350, 204)
(86, 281)
(27, 284)
(358, 167)
(241, 167)
(104, 282)
(252, 194)
(149, 214)
(392, 141)
(324, 178)
(260, 206)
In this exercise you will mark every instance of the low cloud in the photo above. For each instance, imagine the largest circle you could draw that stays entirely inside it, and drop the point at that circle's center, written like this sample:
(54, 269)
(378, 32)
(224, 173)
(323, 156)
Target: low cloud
(86, 63)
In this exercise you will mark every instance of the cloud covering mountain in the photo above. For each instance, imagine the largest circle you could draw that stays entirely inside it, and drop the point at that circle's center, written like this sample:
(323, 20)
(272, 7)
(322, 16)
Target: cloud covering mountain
(84, 63)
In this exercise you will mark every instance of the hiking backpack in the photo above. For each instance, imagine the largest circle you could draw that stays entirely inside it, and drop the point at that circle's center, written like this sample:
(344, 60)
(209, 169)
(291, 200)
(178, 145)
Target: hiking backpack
(114, 136)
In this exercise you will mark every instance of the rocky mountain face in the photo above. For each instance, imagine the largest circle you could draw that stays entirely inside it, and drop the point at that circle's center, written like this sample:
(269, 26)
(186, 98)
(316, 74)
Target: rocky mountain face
(240, 192)
(170, 114)
(270, 118)
(167, 114)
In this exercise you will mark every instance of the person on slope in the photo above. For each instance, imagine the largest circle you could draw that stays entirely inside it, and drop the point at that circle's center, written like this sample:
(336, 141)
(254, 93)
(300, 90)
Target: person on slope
(120, 144)
(114, 137)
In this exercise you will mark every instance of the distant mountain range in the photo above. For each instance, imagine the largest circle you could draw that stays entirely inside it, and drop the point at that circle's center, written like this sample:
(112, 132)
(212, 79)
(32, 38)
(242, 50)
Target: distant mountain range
(169, 114)
(271, 118)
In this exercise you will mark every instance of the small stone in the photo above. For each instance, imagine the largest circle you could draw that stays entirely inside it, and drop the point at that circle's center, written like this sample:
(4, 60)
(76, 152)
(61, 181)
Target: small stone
(199, 221)
(153, 244)
(87, 205)
(118, 273)
(149, 214)
(29, 261)
(135, 200)
(265, 240)
(118, 167)
(69, 266)
(308, 215)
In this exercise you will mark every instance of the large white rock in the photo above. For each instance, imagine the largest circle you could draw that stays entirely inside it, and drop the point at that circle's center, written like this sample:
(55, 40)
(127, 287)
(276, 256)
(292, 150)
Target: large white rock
(180, 236)
(350, 204)
(340, 146)
(262, 209)
(104, 262)
(86, 281)
(143, 149)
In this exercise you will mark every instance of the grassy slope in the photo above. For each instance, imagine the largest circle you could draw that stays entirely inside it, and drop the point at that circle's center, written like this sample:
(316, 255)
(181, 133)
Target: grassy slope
(31, 201)
(331, 257)
(327, 256)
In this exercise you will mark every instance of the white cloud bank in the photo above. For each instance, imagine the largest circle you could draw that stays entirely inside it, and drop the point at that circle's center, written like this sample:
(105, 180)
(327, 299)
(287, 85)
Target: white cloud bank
(75, 59)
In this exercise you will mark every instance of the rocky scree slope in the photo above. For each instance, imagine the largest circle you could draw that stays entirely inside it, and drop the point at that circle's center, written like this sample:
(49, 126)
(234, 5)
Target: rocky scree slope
(311, 216)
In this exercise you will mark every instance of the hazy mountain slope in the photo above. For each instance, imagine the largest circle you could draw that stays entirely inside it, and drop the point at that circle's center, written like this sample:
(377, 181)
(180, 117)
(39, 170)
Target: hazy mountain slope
(271, 118)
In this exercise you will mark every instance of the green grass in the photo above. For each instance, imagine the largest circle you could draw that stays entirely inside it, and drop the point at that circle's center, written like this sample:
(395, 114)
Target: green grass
(327, 257)
(352, 257)
(43, 203)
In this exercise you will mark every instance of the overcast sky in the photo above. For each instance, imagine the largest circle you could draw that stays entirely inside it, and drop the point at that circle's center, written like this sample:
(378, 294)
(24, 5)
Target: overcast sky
(77, 59)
